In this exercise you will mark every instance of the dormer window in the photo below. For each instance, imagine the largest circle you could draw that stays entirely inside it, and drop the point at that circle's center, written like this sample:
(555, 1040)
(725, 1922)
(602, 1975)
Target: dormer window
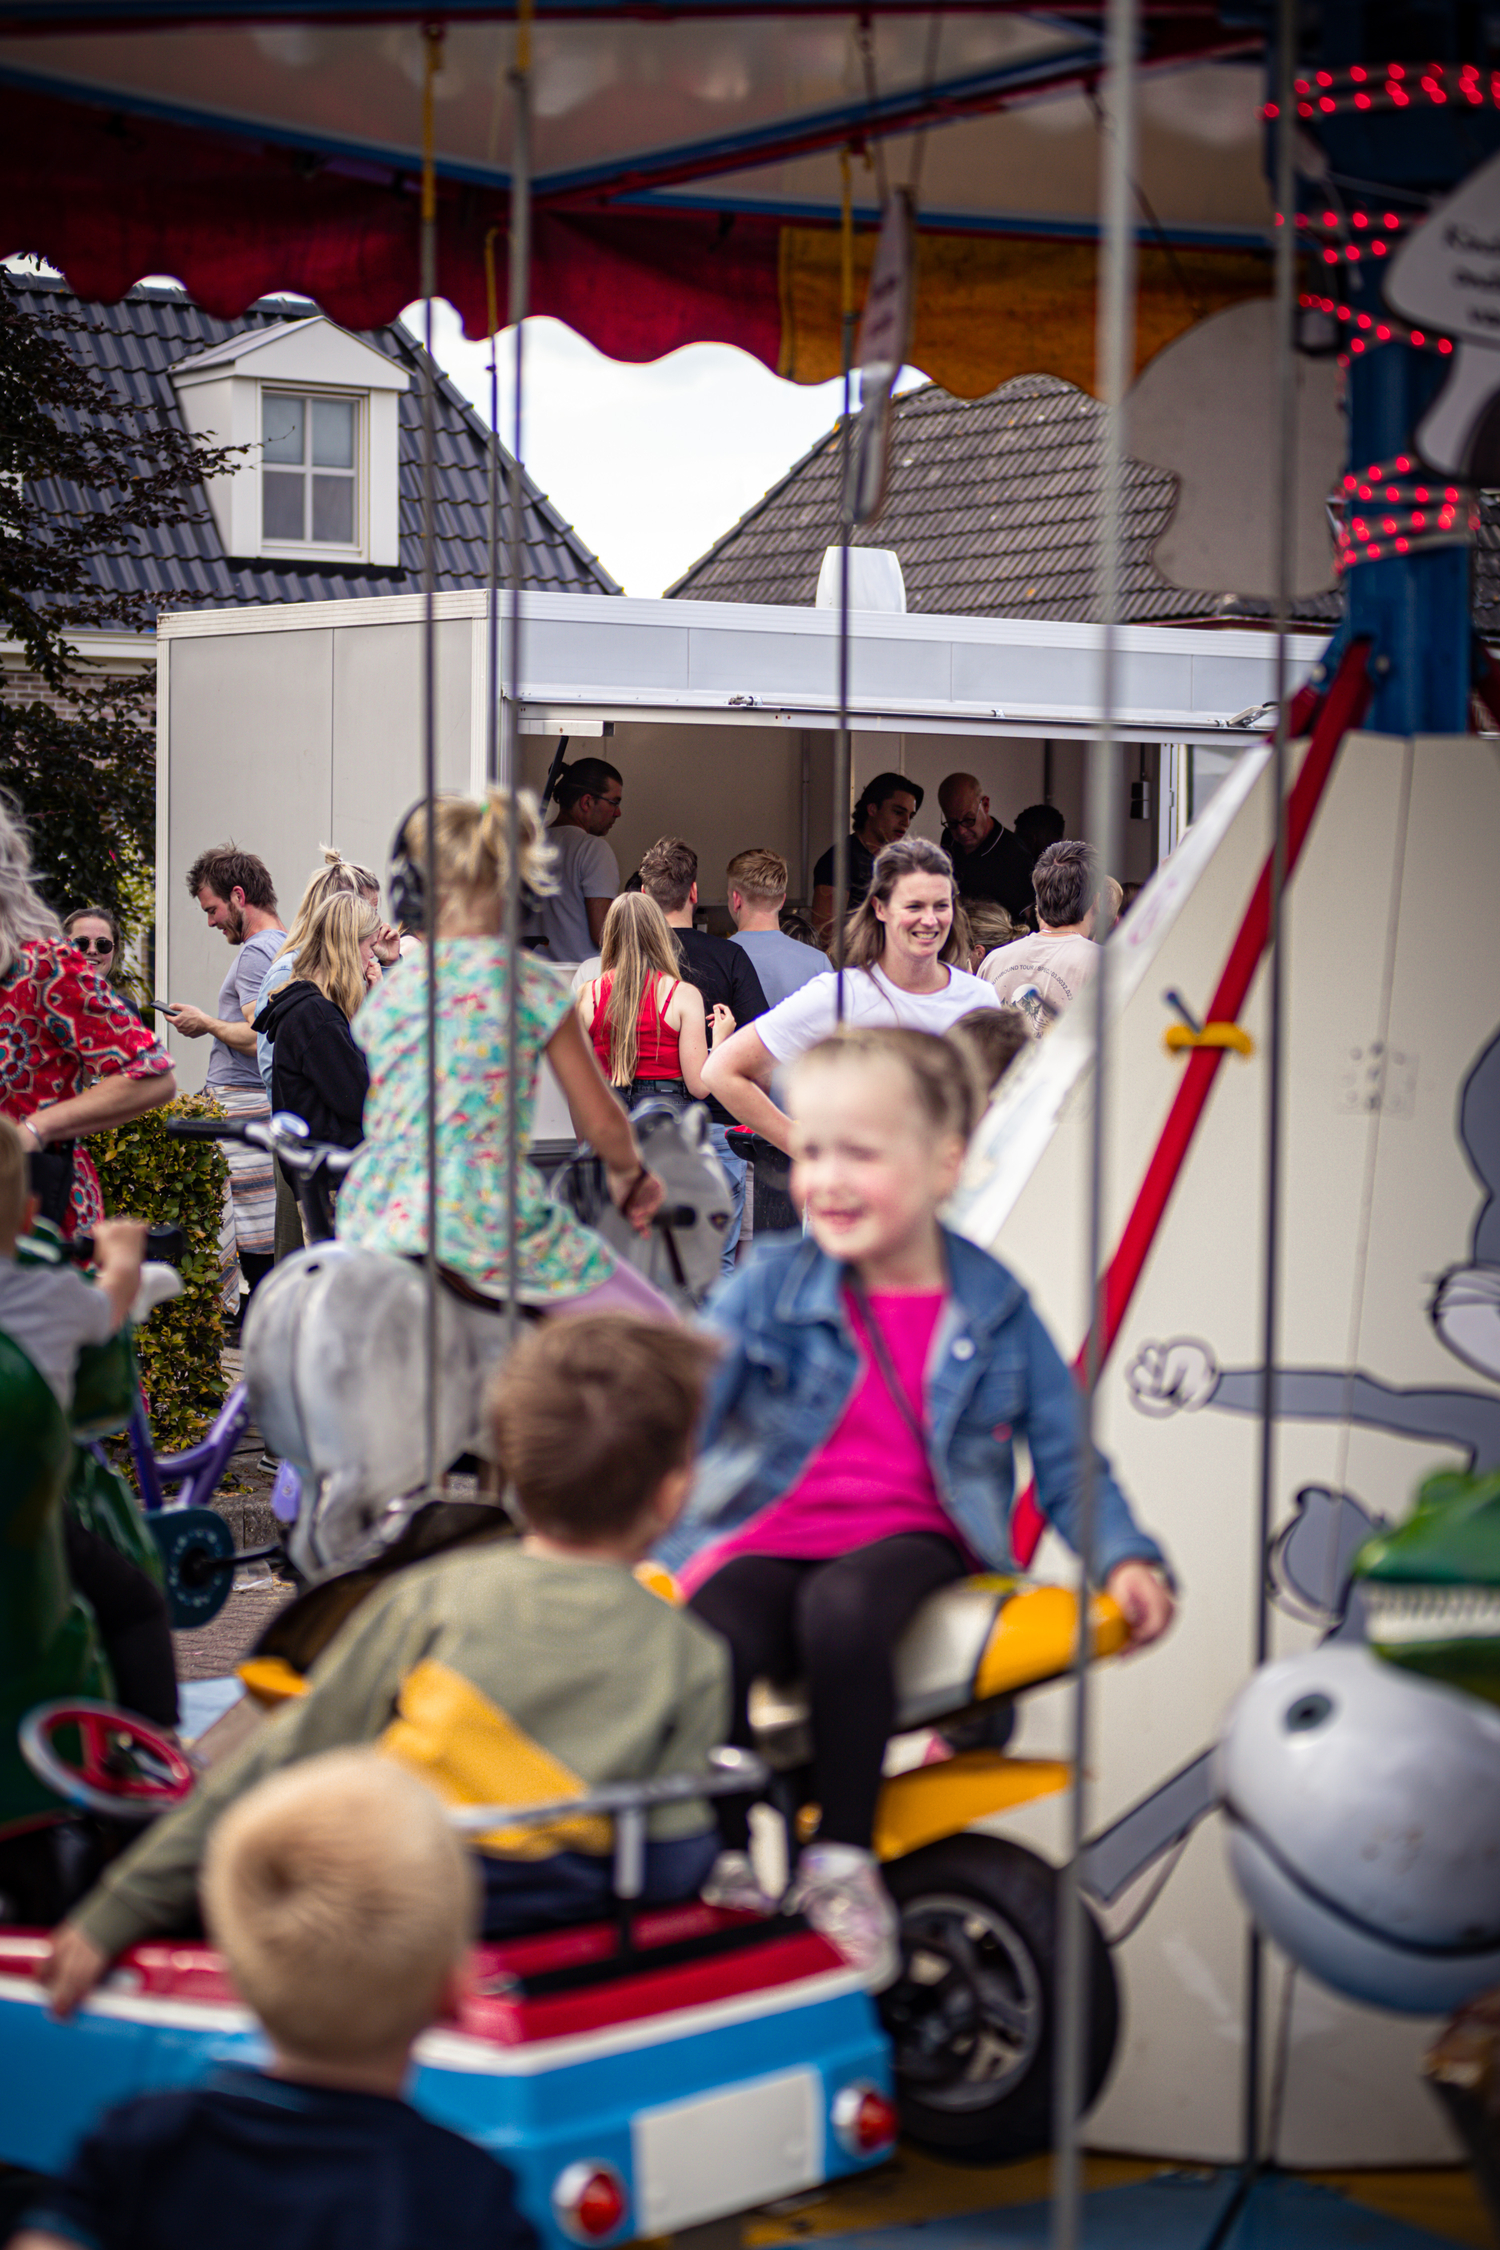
(309, 491)
(318, 413)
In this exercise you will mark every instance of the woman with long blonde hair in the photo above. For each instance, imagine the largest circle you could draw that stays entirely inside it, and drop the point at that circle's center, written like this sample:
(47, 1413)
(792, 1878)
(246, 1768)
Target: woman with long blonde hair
(317, 1071)
(645, 1023)
(561, 1265)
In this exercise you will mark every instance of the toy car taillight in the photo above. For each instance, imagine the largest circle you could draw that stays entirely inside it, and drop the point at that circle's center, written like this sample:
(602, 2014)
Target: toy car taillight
(589, 2201)
(864, 2120)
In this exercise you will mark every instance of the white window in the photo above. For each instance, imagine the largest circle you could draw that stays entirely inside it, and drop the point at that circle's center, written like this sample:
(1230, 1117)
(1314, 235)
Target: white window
(317, 412)
(310, 457)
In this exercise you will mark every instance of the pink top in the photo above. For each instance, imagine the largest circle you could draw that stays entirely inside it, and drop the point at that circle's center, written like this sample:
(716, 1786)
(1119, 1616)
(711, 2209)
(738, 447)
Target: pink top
(870, 1479)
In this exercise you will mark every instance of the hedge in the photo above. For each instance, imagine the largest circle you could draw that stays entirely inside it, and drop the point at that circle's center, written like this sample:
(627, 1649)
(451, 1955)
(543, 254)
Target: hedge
(144, 1174)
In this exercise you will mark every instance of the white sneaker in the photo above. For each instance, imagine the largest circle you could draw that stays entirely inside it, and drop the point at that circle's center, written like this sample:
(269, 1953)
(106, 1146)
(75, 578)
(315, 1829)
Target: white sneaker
(839, 1889)
(733, 1884)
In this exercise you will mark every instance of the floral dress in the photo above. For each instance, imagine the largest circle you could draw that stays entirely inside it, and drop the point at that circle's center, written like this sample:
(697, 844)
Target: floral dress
(61, 1027)
(383, 1202)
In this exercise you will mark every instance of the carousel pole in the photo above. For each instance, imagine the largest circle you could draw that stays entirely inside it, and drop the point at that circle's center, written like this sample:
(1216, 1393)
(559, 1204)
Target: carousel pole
(492, 599)
(515, 563)
(842, 747)
(1116, 359)
(433, 62)
(1285, 519)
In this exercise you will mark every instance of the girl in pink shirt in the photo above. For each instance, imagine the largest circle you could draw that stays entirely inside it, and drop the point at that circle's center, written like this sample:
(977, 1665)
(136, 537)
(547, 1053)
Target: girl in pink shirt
(820, 1576)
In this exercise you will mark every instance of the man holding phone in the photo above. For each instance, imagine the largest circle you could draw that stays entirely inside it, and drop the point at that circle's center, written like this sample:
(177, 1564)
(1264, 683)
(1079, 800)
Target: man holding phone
(235, 891)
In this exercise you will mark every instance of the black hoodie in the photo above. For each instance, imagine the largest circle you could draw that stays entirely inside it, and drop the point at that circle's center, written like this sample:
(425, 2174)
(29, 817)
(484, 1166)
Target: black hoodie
(316, 1069)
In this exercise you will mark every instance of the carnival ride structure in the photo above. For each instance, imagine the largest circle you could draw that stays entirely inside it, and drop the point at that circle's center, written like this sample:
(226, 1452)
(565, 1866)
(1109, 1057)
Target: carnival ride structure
(1268, 1263)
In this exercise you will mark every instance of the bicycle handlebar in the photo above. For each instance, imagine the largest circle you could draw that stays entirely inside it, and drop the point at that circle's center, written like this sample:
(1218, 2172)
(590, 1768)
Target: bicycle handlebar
(296, 1152)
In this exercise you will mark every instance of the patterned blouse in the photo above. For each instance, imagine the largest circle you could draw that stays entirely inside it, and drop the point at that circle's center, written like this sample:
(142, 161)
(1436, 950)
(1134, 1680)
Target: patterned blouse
(62, 1025)
(383, 1201)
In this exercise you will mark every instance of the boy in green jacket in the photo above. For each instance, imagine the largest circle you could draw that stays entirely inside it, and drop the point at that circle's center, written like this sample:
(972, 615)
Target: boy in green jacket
(515, 1673)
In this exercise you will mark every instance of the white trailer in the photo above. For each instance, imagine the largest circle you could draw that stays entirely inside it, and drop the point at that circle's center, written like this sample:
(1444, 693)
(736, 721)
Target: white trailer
(285, 727)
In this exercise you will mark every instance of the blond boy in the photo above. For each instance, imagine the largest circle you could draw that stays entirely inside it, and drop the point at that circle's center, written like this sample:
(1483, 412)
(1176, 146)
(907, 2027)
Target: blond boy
(344, 1905)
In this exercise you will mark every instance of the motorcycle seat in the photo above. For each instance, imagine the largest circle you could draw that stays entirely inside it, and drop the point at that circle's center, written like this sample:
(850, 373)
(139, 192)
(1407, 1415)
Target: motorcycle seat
(980, 1641)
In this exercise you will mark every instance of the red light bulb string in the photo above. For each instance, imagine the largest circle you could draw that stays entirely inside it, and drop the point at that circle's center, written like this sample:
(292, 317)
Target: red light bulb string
(1398, 507)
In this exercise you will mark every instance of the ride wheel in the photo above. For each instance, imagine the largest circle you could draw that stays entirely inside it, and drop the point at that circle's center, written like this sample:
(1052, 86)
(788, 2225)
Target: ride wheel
(973, 2015)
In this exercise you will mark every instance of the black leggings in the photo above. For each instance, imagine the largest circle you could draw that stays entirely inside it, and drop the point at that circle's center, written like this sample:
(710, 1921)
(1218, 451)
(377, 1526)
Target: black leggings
(834, 1624)
(134, 1626)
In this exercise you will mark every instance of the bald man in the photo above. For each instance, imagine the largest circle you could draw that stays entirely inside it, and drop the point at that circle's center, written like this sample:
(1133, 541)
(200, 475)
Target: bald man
(990, 862)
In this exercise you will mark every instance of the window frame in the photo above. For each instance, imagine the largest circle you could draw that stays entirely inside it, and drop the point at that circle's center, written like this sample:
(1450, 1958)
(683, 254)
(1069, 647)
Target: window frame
(294, 550)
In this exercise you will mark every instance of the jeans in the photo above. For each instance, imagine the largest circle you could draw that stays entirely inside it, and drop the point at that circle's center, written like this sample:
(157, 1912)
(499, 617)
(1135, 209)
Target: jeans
(735, 1171)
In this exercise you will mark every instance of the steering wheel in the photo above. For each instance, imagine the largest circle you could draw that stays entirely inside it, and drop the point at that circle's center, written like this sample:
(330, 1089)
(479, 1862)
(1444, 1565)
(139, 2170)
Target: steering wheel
(125, 1768)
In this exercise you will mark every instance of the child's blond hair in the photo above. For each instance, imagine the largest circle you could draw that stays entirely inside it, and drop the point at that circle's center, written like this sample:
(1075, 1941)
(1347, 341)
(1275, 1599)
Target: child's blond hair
(341, 1899)
(14, 1178)
(942, 1079)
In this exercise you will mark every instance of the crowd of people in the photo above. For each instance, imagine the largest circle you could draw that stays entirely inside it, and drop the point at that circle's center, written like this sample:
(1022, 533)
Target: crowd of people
(831, 1445)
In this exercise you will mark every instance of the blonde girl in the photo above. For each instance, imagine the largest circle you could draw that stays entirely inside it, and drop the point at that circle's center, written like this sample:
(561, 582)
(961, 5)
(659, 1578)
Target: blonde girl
(856, 1451)
(561, 1265)
(317, 1071)
(645, 1023)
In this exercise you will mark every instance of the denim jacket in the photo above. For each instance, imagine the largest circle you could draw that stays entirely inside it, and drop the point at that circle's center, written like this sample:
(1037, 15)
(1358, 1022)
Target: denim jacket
(791, 1364)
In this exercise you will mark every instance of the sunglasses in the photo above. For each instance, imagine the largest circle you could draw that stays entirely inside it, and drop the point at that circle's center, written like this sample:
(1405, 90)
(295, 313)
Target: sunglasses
(93, 944)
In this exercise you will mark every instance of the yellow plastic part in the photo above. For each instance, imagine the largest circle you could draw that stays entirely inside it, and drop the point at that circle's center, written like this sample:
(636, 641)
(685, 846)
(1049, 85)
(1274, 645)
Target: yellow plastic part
(466, 1748)
(657, 1579)
(930, 1802)
(1032, 1639)
(1178, 1039)
(271, 1680)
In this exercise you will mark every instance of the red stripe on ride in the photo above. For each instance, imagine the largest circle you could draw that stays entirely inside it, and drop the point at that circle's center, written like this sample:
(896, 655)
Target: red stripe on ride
(1342, 708)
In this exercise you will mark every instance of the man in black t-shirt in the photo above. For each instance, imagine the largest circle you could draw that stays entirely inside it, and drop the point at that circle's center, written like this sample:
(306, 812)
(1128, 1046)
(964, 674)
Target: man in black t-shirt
(990, 861)
(887, 807)
(723, 973)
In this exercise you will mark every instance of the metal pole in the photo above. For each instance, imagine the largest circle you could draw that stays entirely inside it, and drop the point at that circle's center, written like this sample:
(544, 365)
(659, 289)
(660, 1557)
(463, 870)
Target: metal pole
(1285, 518)
(520, 284)
(1116, 358)
(433, 46)
(492, 604)
(842, 747)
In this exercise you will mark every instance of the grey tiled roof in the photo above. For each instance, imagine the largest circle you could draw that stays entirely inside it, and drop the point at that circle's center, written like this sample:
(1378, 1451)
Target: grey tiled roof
(992, 511)
(137, 341)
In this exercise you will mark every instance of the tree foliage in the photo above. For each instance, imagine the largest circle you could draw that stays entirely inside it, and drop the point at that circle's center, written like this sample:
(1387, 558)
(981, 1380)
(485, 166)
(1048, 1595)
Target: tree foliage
(85, 472)
(85, 475)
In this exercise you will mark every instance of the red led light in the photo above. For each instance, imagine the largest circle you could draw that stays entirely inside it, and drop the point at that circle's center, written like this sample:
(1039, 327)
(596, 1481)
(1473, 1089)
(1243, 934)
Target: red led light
(1358, 74)
(1450, 492)
(1383, 333)
(1401, 100)
(1444, 345)
(1402, 464)
(1418, 520)
(1365, 321)
(1361, 101)
(1422, 493)
(1392, 222)
(1357, 345)
(589, 2201)
(1364, 491)
(1269, 109)
(1348, 484)
(1417, 337)
(1351, 250)
(1345, 313)
(1401, 546)
(1330, 218)
(1301, 86)
(1395, 70)
(1360, 219)
(1304, 109)
(1377, 249)
(1330, 257)
(1373, 552)
(864, 2120)
(1325, 78)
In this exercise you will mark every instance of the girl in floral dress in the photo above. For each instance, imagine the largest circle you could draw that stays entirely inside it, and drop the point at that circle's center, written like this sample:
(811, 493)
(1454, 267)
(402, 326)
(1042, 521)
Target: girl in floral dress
(561, 1265)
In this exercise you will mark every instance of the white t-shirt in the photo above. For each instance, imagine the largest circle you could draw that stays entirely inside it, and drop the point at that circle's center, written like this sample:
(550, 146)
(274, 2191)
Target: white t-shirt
(51, 1312)
(804, 1018)
(586, 868)
(1058, 967)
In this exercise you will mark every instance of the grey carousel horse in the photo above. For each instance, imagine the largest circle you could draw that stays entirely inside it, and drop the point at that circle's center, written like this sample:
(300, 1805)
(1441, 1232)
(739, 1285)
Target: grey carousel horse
(336, 1345)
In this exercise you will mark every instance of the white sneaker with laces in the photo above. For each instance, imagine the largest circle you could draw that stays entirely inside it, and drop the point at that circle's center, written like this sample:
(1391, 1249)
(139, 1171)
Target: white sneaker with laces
(839, 1889)
(733, 1885)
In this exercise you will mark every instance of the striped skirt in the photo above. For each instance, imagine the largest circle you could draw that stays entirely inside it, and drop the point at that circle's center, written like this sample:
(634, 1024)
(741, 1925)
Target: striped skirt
(252, 1179)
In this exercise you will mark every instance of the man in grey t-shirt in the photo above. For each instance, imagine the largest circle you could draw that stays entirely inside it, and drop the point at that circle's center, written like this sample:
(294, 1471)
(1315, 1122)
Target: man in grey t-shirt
(589, 794)
(235, 891)
(757, 882)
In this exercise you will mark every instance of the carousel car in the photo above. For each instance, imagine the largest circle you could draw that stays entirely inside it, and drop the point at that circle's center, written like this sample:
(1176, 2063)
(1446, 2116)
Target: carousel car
(667, 2067)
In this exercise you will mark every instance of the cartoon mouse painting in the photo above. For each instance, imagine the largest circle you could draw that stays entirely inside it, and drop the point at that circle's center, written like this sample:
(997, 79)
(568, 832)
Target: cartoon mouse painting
(1311, 1557)
(1182, 1375)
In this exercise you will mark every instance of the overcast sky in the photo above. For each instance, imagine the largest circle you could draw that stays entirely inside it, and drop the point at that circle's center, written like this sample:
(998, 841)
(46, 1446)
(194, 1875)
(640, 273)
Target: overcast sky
(651, 464)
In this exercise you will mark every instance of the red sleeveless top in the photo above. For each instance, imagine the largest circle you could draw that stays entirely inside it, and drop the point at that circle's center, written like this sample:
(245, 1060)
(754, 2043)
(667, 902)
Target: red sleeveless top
(656, 1041)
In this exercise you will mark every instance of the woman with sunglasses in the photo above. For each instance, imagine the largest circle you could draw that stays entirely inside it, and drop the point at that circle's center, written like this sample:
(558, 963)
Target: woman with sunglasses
(74, 1058)
(94, 932)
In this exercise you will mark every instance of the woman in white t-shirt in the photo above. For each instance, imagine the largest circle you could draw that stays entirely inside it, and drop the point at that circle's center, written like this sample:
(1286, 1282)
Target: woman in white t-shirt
(899, 953)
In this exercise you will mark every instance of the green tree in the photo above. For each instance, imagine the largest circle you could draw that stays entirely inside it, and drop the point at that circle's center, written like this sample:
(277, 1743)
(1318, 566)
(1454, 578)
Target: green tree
(85, 475)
